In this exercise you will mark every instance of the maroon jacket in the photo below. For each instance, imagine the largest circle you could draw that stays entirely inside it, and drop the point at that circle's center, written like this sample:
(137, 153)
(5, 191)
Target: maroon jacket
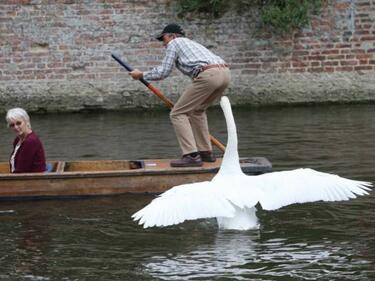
(30, 156)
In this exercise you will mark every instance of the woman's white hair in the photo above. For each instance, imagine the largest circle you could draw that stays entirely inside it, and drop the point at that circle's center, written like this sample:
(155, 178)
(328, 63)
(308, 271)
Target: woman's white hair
(17, 113)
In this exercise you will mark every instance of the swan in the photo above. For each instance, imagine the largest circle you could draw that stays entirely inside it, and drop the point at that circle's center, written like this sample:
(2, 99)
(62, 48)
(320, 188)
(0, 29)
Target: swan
(231, 196)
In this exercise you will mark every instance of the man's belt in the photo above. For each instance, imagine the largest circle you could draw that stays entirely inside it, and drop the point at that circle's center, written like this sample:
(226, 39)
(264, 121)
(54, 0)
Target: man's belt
(208, 66)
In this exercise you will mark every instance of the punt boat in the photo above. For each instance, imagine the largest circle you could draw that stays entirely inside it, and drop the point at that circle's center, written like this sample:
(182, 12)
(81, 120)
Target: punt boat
(110, 177)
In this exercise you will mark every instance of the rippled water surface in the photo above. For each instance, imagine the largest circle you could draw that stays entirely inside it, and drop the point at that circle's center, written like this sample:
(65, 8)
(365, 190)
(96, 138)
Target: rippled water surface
(94, 239)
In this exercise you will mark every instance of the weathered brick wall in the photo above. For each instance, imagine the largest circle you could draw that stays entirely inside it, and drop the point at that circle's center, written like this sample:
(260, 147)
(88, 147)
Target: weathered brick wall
(55, 55)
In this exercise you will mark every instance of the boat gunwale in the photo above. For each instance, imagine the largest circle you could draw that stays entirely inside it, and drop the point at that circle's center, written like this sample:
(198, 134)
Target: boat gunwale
(144, 171)
(82, 174)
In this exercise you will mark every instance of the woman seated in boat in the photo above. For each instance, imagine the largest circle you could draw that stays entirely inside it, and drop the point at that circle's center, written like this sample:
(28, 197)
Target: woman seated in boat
(28, 153)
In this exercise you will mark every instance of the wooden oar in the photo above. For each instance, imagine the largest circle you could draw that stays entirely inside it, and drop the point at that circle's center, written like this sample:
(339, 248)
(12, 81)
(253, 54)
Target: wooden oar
(169, 103)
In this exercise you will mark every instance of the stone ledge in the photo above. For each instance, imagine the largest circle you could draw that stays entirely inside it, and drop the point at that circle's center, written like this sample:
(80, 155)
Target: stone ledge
(254, 90)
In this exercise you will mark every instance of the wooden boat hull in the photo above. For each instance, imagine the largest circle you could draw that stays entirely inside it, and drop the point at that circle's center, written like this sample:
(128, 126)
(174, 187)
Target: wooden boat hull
(109, 177)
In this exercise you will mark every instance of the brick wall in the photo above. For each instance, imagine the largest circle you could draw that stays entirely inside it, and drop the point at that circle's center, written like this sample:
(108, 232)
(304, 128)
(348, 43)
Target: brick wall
(55, 55)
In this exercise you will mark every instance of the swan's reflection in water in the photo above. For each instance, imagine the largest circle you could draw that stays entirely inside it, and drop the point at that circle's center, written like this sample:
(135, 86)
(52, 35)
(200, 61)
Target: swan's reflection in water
(247, 256)
(230, 250)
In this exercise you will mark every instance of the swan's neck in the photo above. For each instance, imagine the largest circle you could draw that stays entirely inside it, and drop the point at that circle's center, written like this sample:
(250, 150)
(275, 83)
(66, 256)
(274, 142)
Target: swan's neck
(243, 219)
(231, 162)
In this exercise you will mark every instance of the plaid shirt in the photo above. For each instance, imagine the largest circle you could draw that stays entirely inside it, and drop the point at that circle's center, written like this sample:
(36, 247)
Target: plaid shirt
(189, 57)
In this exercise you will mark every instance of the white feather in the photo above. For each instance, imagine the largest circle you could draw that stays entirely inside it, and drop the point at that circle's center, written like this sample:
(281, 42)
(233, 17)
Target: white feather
(231, 195)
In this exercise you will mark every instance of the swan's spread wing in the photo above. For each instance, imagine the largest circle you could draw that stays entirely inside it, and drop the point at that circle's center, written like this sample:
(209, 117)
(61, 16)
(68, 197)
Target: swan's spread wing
(185, 202)
(279, 189)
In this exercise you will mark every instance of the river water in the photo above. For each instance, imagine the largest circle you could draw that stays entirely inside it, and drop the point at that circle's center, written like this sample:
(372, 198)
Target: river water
(94, 239)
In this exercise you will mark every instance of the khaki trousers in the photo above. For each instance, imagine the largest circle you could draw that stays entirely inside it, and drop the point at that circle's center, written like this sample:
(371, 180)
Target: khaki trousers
(188, 115)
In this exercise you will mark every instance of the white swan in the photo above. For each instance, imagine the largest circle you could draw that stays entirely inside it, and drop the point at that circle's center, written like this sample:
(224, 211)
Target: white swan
(231, 195)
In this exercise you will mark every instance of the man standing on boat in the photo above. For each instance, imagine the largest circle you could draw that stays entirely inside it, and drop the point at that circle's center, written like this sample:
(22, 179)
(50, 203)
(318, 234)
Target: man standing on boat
(210, 77)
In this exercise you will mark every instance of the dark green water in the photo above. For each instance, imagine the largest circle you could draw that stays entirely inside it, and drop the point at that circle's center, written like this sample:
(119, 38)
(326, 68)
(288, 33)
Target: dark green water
(94, 239)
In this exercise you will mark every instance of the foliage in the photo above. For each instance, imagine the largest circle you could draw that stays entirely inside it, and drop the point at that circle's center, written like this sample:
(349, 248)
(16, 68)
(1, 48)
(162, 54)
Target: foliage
(278, 15)
(286, 15)
(214, 8)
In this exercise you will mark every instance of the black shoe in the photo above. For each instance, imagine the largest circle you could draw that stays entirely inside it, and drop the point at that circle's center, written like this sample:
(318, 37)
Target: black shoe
(188, 161)
(207, 156)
